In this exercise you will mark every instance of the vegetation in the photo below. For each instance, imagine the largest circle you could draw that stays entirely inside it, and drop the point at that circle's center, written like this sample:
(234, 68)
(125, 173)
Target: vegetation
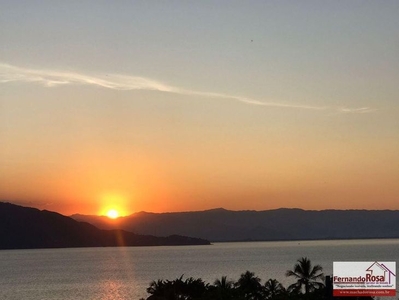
(308, 286)
(308, 277)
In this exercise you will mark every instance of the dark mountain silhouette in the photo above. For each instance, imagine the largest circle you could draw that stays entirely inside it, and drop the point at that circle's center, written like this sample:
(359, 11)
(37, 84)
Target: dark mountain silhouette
(280, 224)
(24, 227)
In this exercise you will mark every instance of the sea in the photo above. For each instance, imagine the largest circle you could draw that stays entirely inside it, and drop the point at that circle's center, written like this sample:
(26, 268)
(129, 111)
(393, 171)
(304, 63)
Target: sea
(126, 272)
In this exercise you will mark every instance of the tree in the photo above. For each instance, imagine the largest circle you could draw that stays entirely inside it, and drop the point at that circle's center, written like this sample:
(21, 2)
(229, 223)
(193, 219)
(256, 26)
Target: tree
(308, 277)
(273, 290)
(156, 288)
(249, 285)
(223, 288)
(194, 288)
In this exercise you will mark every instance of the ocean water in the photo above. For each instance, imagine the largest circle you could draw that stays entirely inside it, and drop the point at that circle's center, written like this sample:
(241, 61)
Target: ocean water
(125, 273)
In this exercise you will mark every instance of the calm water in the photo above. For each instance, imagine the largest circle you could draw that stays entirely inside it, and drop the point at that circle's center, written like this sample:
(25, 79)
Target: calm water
(125, 273)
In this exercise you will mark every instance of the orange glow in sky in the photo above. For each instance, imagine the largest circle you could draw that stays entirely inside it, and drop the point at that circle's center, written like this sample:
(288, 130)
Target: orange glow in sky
(112, 214)
(208, 112)
(113, 205)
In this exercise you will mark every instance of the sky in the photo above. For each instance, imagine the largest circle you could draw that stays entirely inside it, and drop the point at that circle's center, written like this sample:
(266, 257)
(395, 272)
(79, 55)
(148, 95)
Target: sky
(191, 105)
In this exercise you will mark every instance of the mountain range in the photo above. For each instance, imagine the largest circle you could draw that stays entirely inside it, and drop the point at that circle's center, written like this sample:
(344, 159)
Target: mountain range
(280, 224)
(25, 227)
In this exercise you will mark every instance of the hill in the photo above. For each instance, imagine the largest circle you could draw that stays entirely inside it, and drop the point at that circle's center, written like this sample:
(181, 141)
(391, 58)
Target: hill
(24, 227)
(280, 224)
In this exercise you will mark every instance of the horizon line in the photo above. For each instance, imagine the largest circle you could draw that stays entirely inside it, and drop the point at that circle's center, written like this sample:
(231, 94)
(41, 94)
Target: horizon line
(22, 204)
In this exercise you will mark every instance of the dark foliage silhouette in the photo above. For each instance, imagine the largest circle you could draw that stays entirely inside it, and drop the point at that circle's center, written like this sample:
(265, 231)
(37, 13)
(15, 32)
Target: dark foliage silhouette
(309, 278)
(223, 289)
(249, 286)
(309, 286)
(274, 290)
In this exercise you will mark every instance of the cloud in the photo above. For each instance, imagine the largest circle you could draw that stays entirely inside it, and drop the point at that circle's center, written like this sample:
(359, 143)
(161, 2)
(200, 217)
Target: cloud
(361, 110)
(51, 78)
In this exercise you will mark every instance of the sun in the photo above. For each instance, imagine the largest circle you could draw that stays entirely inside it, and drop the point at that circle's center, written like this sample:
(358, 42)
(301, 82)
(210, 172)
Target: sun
(112, 214)
(112, 205)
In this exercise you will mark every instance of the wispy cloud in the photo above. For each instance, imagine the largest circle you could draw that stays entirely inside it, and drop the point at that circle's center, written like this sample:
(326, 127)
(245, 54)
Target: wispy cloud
(9, 73)
(361, 110)
(51, 78)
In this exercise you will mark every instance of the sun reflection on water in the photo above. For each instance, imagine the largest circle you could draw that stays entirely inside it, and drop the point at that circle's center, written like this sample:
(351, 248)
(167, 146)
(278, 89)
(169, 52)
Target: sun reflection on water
(112, 290)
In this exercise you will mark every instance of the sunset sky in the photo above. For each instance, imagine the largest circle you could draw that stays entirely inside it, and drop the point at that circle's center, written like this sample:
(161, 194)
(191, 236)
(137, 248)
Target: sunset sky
(190, 105)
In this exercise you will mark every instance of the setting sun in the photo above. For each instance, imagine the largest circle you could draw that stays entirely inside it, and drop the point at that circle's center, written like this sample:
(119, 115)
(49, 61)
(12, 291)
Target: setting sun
(113, 204)
(112, 214)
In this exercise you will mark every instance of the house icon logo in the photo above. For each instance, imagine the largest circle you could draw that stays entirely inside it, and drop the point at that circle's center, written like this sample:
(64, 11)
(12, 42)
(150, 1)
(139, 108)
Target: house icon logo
(380, 272)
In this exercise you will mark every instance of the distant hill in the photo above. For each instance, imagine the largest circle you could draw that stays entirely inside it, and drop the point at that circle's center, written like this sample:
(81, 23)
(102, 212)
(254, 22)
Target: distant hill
(280, 224)
(23, 228)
